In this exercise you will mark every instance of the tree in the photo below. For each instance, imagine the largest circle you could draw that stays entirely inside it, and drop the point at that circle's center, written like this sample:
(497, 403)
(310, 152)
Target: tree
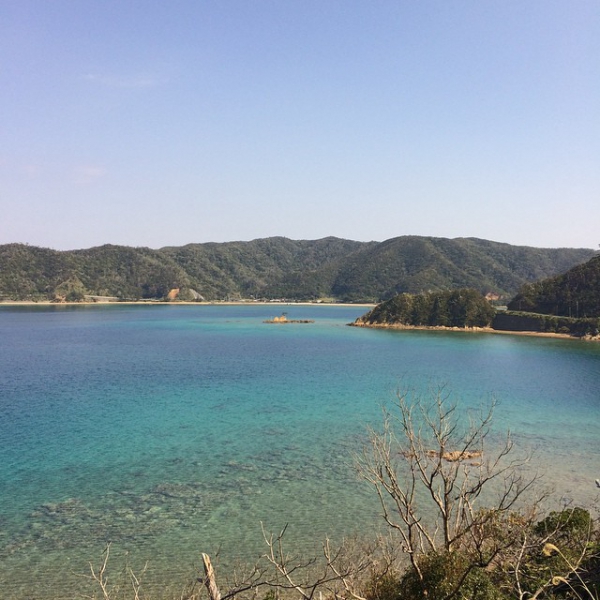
(438, 316)
(432, 471)
(558, 557)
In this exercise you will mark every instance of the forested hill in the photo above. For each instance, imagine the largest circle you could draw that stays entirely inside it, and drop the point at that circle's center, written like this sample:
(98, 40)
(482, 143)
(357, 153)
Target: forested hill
(576, 293)
(277, 267)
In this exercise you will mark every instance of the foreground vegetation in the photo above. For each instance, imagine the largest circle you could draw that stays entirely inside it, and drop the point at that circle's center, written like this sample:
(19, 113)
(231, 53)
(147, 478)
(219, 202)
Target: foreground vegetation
(275, 268)
(464, 516)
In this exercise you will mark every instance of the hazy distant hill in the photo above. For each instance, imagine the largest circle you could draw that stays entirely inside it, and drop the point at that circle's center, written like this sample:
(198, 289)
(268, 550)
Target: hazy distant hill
(576, 293)
(28, 272)
(278, 267)
(272, 267)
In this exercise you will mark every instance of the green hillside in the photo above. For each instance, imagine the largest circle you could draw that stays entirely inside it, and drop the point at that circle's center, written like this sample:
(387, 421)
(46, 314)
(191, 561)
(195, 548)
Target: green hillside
(575, 293)
(273, 267)
(278, 267)
(455, 308)
(30, 273)
(417, 264)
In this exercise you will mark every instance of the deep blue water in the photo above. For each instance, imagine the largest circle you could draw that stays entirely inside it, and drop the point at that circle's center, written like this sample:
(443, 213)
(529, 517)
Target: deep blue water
(174, 430)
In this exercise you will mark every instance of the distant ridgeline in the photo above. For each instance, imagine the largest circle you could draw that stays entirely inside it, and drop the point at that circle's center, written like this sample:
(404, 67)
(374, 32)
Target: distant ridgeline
(569, 304)
(279, 268)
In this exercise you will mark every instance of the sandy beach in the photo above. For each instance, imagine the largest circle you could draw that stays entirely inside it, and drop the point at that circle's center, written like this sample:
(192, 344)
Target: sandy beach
(179, 303)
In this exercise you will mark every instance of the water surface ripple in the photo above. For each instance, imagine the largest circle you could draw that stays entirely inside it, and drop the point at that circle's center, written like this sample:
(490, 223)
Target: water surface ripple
(172, 430)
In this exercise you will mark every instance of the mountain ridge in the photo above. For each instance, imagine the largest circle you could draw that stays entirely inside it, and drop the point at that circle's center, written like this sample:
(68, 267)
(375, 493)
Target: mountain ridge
(279, 267)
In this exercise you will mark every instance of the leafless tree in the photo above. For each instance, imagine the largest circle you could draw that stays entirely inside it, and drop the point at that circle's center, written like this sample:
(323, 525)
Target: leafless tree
(432, 467)
(109, 586)
(340, 571)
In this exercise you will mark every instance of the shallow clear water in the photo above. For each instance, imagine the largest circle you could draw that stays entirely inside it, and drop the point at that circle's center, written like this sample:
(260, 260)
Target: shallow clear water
(174, 430)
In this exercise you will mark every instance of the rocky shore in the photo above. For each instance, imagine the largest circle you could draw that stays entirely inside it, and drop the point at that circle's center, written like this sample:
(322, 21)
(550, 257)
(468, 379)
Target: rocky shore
(400, 326)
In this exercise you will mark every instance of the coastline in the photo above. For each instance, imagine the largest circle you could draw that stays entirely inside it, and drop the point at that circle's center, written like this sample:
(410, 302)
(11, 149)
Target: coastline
(392, 326)
(543, 334)
(180, 303)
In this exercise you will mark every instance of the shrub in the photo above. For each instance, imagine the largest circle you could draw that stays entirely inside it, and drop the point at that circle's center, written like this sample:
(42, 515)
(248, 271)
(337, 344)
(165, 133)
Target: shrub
(383, 586)
(448, 575)
(569, 523)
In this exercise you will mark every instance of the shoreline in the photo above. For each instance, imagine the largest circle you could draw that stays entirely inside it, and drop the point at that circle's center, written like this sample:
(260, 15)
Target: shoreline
(395, 326)
(543, 334)
(46, 303)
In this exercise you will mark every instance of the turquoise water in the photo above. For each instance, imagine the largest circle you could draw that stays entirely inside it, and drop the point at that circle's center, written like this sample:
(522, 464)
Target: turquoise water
(173, 430)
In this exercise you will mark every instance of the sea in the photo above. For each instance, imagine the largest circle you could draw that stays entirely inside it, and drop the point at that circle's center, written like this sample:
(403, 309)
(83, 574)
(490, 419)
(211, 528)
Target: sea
(164, 431)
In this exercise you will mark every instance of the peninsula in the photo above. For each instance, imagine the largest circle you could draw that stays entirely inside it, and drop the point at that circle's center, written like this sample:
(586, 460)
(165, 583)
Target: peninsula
(567, 305)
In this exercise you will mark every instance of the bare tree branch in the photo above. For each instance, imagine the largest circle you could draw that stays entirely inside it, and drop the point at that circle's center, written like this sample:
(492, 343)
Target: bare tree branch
(431, 480)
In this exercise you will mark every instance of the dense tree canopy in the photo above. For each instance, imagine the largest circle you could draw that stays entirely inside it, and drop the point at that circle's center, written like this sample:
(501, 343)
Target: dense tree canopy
(456, 308)
(277, 267)
(576, 293)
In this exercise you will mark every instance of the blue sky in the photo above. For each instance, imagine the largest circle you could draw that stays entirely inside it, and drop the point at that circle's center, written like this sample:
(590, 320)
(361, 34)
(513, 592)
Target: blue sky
(151, 123)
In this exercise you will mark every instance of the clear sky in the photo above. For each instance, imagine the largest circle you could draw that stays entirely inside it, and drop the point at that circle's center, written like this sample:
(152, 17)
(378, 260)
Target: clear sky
(150, 123)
